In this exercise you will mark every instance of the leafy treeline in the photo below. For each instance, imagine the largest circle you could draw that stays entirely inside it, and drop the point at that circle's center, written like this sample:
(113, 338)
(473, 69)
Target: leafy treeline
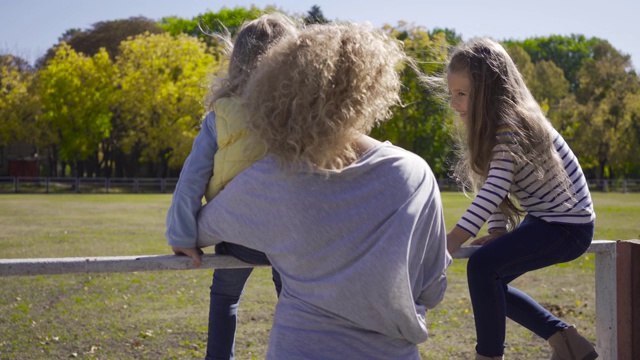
(124, 98)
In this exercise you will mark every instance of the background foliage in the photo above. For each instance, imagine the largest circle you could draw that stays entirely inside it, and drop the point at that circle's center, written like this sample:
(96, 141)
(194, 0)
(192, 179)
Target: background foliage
(124, 97)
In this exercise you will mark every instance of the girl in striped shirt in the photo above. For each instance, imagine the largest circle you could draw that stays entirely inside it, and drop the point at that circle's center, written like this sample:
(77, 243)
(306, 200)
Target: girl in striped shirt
(519, 167)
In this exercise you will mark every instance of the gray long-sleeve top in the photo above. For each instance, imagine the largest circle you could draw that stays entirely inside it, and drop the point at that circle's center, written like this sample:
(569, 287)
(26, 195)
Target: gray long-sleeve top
(361, 252)
(187, 197)
(542, 199)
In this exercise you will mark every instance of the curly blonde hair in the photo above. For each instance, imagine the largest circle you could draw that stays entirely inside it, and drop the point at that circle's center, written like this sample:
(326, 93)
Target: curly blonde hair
(252, 41)
(499, 98)
(314, 93)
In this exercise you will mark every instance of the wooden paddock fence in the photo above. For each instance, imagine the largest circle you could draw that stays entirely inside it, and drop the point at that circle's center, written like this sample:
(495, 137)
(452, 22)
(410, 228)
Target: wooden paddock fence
(617, 282)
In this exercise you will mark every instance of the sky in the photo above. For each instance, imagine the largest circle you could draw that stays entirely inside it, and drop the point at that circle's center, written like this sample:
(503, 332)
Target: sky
(29, 27)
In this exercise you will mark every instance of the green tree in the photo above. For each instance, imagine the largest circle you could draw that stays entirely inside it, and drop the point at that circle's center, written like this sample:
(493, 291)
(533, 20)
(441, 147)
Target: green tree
(420, 125)
(19, 104)
(552, 85)
(566, 52)
(544, 79)
(606, 124)
(76, 93)
(104, 34)
(162, 80)
(315, 16)
(526, 67)
(449, 34)
(632, 168)
(205, 25)
(595, 112)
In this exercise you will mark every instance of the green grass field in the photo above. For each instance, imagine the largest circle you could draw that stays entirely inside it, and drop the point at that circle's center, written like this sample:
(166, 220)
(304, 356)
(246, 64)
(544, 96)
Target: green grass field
(163, 315)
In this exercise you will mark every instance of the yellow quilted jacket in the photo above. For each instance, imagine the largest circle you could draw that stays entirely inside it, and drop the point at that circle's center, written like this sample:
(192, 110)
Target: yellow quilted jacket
(235, 151)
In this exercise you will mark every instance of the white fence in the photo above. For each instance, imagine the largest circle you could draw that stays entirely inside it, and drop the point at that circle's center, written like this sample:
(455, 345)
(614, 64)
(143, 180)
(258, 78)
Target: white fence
(605, 278)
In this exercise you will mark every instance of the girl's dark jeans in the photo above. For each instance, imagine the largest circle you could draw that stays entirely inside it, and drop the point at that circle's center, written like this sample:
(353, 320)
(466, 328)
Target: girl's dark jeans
(534, 244)
(226, 290)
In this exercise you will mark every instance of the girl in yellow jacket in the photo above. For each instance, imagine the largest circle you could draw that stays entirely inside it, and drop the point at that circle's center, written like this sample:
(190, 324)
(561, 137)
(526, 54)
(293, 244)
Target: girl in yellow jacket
(221, 150)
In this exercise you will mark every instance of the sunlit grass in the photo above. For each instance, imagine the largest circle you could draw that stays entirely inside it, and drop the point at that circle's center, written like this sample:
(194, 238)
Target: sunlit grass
(163, 315)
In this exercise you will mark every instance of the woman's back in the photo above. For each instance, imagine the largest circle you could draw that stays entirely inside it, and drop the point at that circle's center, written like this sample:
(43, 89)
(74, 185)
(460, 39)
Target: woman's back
(361, 252)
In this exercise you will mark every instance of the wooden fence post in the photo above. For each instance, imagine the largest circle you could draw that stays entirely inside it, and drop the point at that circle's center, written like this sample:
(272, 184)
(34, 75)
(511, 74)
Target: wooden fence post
(606, 328)
(628, 299)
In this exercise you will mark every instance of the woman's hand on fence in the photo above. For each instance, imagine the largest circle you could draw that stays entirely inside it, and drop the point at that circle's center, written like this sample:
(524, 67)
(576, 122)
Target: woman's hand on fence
(194, 253)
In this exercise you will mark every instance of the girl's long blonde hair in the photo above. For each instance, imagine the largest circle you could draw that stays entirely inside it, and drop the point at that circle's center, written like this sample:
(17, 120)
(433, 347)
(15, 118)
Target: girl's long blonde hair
(314, 93)
(252, 41)
(499, 98)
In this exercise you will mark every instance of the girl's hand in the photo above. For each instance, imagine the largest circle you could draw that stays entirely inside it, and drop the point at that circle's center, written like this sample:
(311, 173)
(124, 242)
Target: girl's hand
(194, 253)
(488, 238)
(455, 239)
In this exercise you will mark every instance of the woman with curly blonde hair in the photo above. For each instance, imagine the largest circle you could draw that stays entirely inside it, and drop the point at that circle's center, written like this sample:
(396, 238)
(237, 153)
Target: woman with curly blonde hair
(354, 226)
(334, 100)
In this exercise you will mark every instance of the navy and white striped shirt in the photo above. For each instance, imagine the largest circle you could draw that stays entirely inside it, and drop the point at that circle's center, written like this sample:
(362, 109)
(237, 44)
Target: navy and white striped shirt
(540, 199)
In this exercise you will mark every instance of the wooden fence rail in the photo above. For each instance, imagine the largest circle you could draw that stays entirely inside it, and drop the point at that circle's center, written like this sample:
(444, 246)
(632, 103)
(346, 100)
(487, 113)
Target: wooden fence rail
(617, 301)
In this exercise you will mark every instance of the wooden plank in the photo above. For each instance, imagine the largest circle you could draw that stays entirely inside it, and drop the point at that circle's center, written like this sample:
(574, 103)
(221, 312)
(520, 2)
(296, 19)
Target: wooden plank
(109, 264)
(52, 266)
